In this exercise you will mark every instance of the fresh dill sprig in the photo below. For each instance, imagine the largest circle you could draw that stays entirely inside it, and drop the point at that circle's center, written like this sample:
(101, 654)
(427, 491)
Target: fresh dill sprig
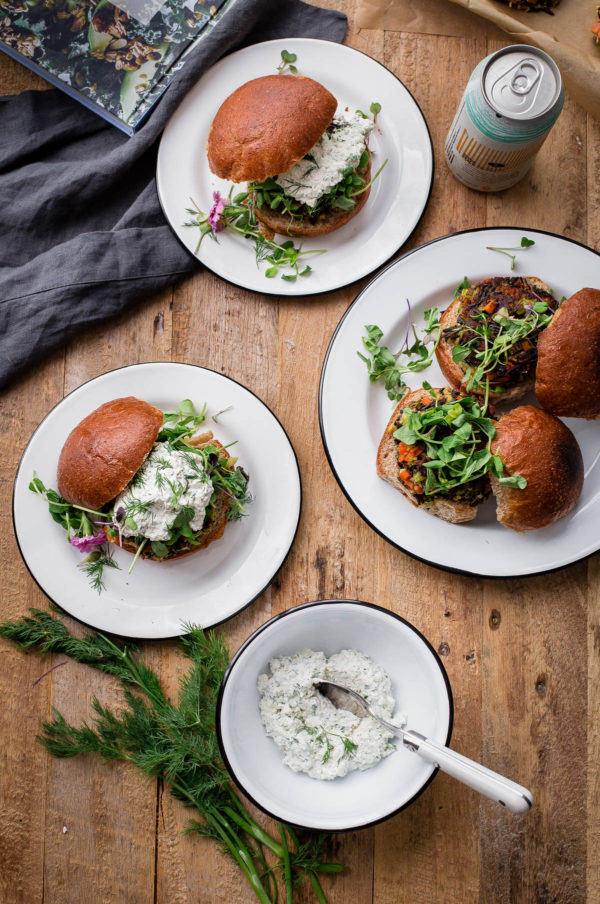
(94, 565)
(174, 742)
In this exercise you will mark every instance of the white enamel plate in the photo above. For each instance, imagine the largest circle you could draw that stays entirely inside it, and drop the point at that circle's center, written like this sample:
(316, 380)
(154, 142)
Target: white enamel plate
(158, 598)
(398, 197)
(354, 411)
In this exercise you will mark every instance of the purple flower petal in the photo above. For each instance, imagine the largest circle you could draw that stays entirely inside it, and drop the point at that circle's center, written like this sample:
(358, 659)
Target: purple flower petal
(87, 544)
(214, 217)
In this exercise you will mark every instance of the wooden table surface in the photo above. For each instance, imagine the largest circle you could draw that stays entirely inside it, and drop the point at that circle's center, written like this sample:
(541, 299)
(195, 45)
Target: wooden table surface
(522, 655)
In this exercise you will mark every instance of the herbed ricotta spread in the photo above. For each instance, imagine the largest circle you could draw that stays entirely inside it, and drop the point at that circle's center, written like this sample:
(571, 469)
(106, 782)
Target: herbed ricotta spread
(168, 481)
(315, 736)
(323, 167)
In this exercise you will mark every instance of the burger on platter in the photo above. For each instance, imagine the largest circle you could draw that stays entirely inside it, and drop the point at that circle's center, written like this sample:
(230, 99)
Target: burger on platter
(308, 167)
(147, 482)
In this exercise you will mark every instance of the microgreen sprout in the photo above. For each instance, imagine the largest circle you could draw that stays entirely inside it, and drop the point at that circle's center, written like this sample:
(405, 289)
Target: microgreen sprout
(375, 108)
(525, 243)
(453, 439)
(237, 214)
(383, 365)
(80, 523)
(215, 417)
(287, 63)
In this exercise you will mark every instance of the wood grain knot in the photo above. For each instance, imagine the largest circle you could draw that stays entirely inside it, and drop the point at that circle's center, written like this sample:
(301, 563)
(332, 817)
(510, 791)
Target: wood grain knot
(495, 619)
(159, 324)
(444, 649)
(540, 686)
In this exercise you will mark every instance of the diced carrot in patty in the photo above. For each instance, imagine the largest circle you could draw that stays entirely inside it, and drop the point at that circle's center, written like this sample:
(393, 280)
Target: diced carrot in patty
(407, 453)
(490, 307)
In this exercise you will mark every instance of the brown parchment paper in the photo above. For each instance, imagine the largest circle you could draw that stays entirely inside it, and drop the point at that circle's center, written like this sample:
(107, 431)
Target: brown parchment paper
(566, 35)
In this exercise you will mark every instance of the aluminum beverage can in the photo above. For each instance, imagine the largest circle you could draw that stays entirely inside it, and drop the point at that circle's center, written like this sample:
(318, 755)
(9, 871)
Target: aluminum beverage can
(511, 102)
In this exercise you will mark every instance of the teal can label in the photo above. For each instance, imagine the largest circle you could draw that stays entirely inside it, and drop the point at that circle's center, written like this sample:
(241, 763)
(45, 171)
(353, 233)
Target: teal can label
(511, 102)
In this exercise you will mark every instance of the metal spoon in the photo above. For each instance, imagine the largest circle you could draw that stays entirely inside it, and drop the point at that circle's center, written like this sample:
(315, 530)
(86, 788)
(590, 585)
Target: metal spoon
(504, 791)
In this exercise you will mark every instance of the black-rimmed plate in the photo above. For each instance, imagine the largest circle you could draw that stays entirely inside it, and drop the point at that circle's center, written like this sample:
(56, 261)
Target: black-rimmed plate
(398, 197)
(158, 598)
(354, 412)
(420, 686)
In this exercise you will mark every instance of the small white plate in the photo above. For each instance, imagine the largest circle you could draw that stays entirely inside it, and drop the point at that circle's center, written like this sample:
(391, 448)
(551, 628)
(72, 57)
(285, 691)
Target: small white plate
(420, 687)
(398, 197)
(158, 598)
(354, 412)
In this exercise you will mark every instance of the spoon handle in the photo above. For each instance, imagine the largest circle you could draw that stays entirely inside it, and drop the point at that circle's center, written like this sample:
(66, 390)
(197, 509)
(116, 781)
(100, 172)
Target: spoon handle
(504, 791)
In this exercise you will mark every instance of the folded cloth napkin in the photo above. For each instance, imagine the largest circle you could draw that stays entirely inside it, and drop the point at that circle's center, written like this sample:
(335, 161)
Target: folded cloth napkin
(82, 234)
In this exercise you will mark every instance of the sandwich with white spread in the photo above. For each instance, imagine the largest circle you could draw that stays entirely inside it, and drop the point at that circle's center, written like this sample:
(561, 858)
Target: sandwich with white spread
(306, 162)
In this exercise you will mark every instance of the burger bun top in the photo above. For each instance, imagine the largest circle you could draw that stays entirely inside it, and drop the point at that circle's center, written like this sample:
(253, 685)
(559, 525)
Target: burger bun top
(567, 377)
(267, 125)
(104, 451)
(542, 449)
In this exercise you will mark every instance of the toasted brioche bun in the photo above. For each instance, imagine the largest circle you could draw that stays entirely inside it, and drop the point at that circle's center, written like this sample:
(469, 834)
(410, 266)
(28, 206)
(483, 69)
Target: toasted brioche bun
(332, 219)
(267, 125)
(104, 451)
(212, 530)
(543, 450)
(567, 378)
(387, 468)
(455, 374)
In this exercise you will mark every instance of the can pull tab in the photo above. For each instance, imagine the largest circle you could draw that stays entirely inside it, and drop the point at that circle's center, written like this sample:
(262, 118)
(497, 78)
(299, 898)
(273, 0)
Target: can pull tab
(526, 77)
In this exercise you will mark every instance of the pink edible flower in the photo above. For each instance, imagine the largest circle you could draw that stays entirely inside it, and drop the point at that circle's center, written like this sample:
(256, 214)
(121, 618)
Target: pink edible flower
(214, 217)
(87, 544)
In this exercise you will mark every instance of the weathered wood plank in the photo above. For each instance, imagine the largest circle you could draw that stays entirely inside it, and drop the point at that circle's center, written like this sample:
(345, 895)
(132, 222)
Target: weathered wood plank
(23, 787)
(101, 818)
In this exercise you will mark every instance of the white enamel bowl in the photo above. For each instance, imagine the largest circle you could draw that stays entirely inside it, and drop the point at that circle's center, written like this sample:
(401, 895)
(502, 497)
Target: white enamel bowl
(421, 689)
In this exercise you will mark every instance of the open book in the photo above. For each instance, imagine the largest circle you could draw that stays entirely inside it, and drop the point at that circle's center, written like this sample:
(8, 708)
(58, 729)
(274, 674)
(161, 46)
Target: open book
(116, 60)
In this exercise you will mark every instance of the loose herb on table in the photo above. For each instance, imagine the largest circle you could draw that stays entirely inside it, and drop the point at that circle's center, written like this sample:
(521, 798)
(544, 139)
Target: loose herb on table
(384, 365)
(176, 743)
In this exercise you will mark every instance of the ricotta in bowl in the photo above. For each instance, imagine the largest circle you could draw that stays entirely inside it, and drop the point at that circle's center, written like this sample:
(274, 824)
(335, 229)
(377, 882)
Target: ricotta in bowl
(315, 736)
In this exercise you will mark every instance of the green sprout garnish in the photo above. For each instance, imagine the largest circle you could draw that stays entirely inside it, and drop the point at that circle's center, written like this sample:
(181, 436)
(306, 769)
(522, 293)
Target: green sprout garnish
(237, 213)
(489, 342)
(456, 437)
(386, 366)
(525, 243)
(286, 65)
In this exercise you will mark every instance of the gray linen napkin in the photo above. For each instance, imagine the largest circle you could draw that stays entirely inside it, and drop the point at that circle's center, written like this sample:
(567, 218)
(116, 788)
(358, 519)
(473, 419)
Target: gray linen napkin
(82, 234)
